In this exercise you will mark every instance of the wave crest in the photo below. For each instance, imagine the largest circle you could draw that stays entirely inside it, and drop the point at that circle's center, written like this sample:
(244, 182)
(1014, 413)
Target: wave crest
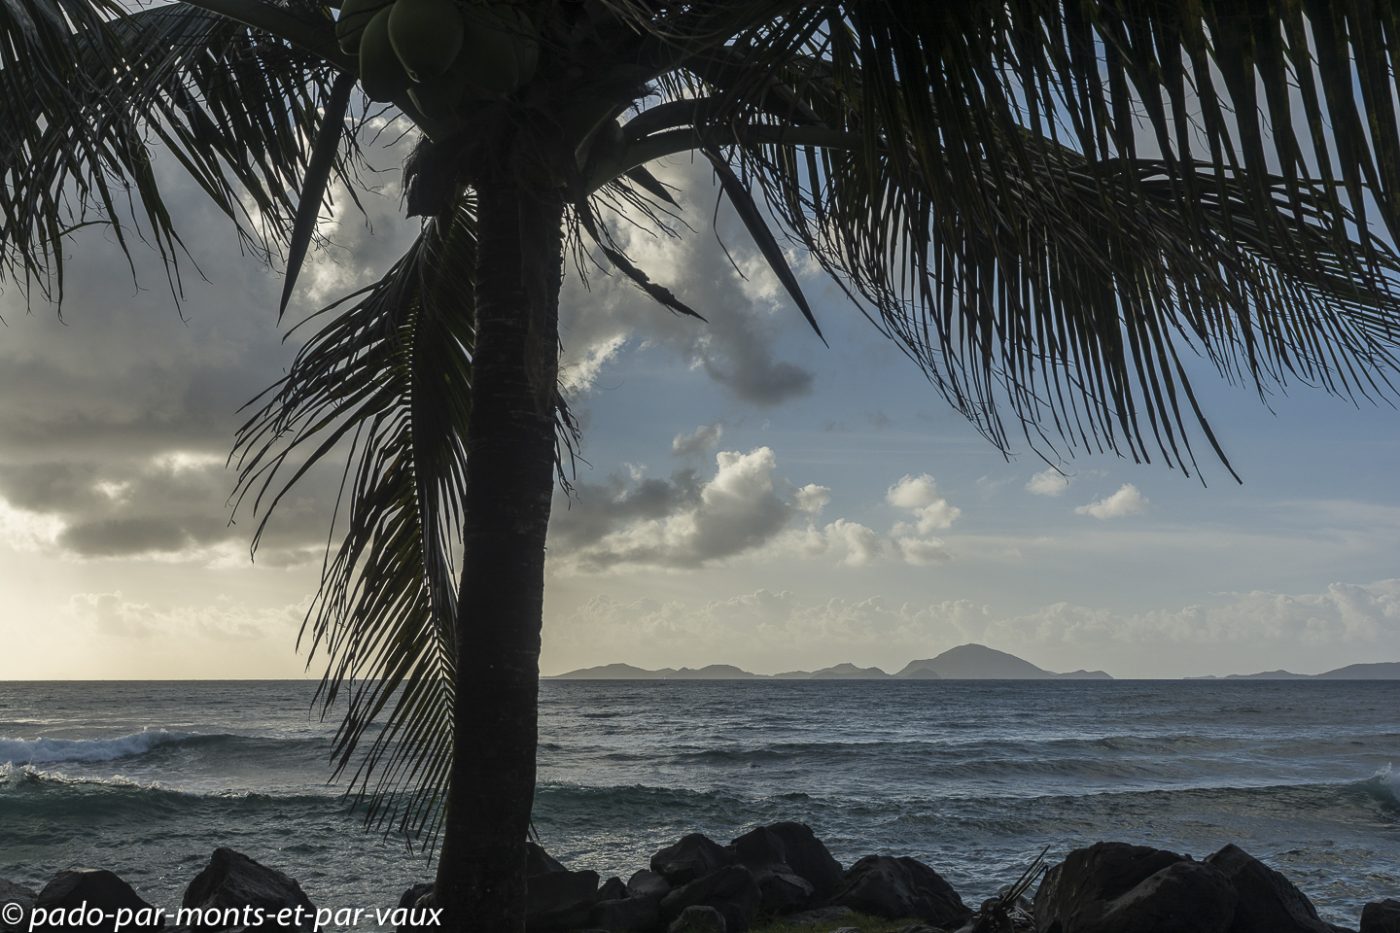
(50, 751)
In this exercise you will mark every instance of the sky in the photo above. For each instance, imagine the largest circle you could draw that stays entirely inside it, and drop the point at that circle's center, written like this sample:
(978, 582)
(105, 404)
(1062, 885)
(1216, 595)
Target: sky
(746, 495)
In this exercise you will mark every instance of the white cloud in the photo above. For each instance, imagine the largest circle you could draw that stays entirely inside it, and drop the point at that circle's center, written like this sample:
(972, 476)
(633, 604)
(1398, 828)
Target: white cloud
(1128, 500)
(1048, 482)
(812, 498)
(681, 523)
(703, 438)
(849, 543)
(919, 494)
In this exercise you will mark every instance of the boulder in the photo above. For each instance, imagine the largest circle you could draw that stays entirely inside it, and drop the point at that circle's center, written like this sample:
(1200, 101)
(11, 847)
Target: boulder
(689, 859)
(559, 900)
(233, 886)
(418, 896)
(698, 919)
(732, 891)
(1268, 902)
(1381, 917)
(539, 862)
(11, 893)
(626, 915)
(1111, 887)
(797, 847)
(894, 888)
(782, 892)
(647, 883)
(612, 890)
(94, 889)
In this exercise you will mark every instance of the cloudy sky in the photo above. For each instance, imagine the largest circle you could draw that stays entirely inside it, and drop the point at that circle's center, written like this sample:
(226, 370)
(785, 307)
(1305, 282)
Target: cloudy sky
(748, 495)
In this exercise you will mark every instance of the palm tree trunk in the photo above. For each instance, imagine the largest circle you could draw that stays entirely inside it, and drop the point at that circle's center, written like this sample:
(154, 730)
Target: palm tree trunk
(509, 485)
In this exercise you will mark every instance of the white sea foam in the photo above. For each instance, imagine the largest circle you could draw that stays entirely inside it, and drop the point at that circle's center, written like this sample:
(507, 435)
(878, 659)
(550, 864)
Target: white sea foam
(1389, 780)
(44, 750)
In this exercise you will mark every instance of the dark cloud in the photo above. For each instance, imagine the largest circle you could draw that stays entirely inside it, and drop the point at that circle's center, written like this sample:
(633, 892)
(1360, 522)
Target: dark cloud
(744, 316)
(116, 419)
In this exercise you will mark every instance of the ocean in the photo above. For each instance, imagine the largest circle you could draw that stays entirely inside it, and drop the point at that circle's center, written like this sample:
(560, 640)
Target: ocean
(973, 778)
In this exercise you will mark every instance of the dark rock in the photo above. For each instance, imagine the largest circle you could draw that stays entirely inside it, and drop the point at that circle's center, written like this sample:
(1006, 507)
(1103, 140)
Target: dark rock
(420, 896)
(647, 883)
(691, 858)
(11, 893)
(539, 862)
(612, 890)
(1269, 902)
(732, 891)
(232, 888)
(559, 900)
(699, 919)
(1381, 917)
(1111, 887)
(901, 887)
(794, 845)
(101, 891)
(782, 892)
(626, 915)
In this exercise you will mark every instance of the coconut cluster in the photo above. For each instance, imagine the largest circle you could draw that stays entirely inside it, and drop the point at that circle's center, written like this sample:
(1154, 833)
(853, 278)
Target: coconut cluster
(439, 53)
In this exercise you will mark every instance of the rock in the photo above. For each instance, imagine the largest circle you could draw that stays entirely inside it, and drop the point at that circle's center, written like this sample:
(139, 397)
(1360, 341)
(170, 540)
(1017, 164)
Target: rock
(647, 883)
(420, 896)
(612, 890)
(697, 919)
(100, 891)
(233, 886)
(689, 859)
(11, 893)
(732, 891)
(627, 915)
(1381, 917)
(782, 892)
(895, 888)
(1268, 902)
(1111, 887)
(797, 847)
(559, 900)
(539, 862)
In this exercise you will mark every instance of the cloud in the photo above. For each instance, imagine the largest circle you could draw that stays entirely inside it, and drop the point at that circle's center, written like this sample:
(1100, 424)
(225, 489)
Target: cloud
(114, 614)
(703, 438)
(849, 543)
(1048, 482)
(115, 422)
(919, 494)
(602, 316)
(812, 498)
(682, 522)
(1128, 500)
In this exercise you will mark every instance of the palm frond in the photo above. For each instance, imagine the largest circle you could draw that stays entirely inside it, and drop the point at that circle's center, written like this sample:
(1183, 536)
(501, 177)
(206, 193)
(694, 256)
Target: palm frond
(93, 96)
(389, 375)
(1050, 205)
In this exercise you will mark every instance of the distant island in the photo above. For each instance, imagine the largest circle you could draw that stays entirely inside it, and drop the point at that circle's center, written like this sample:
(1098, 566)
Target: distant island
(1384, 670)
(965, 662)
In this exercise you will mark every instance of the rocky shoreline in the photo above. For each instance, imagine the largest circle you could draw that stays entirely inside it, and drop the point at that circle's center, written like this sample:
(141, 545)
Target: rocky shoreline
(780, 874)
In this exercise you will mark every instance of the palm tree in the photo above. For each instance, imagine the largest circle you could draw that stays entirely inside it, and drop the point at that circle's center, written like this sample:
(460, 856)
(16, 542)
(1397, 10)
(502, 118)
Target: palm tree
(1047, 204)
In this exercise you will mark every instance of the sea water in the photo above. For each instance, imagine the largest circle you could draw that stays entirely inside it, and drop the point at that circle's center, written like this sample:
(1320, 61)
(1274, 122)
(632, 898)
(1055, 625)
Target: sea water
(974, 778)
